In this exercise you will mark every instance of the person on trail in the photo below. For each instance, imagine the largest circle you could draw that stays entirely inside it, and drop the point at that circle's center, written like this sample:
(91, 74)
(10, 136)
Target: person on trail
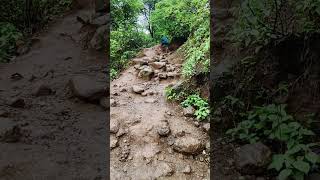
(165, 43)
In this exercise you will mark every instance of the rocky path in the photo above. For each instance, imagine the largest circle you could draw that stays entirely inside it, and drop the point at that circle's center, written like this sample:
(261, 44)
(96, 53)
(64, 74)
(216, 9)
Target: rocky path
(48, 129)
(150, 137)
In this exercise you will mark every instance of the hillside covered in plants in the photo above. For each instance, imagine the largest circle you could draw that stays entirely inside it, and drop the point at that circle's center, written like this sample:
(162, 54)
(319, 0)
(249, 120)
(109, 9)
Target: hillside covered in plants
(265, 88)
(185, 23)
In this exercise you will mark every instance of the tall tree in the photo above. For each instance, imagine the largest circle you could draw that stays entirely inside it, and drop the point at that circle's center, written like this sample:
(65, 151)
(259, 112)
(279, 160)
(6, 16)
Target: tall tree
(149, 6)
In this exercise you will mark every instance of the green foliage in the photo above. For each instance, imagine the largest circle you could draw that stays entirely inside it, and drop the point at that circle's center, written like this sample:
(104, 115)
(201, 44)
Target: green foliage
(20, 17)
(125, 12)
(202, 107)
(124, 45)
(197, 48)
(273, 123)
(29, 15)
(296, 162)
(113, 74)
(126, 37)
(8, 37)
(260, 21)
(270, 122)
(173, 95)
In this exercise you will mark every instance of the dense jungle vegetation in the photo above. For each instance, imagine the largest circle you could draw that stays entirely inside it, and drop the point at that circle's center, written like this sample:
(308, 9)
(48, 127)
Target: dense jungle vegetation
(271, 95)
(176, 19)
(20, 18)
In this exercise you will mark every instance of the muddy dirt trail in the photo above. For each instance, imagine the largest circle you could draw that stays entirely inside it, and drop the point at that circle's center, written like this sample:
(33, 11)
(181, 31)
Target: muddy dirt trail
(45, 131)
(150, 137)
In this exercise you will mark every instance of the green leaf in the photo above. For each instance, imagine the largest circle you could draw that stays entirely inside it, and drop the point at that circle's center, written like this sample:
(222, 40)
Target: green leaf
(284, 174)
(294, 150)
(302, 166)
(277, 162)
(312, 157)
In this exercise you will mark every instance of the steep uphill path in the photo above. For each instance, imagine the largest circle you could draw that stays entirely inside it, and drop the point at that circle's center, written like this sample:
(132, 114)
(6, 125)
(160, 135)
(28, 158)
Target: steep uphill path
(150, 137)
(46, 132)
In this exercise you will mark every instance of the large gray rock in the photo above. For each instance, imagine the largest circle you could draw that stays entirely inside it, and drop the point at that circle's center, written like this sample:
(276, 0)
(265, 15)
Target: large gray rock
(188, 111)
(17, 102)
(188, 145)
(157, 65)
(42, 90)
(163, 169)
(100, 38)
(114, 126)
(146, 73)
(252, 158)
(113, 142)
(102, 20)
(86, 88)
(138, 89)
(163, 129)
(9, 131)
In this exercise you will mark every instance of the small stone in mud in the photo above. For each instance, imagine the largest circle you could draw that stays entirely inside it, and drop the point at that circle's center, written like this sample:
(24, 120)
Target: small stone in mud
(114, 126)
(157, 65)
(163, 129)
(115, 94)
(206, 127)
(113, 103)
(113, 142)
(124, 154)
(252, 158)
(150, 100)
(9, 132)
(144, 93)
(163, 75)
(137, 66)
(17, 103)
(180, 133)
(42, 90)
(196, 123)
(16, 76)
(170, 140)
(4, 113)
(170, 68)
(122, 132)
(208, 146)
(123, 90)
(189, 145)
(137, 89)
(187, 169)
(188, 111)
(164, 169)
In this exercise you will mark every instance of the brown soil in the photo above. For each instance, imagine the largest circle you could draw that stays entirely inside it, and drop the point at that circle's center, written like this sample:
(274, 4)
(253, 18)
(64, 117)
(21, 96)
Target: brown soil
(58, 136)
(149, 153)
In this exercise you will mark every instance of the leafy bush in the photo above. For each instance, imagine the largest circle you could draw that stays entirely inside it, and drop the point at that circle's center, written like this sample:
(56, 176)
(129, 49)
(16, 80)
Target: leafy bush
(202, 107)
(124, 45)
(20, 17)
(260, 21)
(186, 19)
(8, 37)
(273, 123)
(296, 162)
(29, 15)
(171, 94)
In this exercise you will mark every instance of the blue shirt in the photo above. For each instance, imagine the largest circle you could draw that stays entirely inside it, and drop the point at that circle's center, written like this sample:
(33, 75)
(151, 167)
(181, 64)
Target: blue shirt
(164, 40)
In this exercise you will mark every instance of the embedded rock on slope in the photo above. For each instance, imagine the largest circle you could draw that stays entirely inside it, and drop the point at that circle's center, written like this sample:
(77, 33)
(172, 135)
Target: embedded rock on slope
(88, 89)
